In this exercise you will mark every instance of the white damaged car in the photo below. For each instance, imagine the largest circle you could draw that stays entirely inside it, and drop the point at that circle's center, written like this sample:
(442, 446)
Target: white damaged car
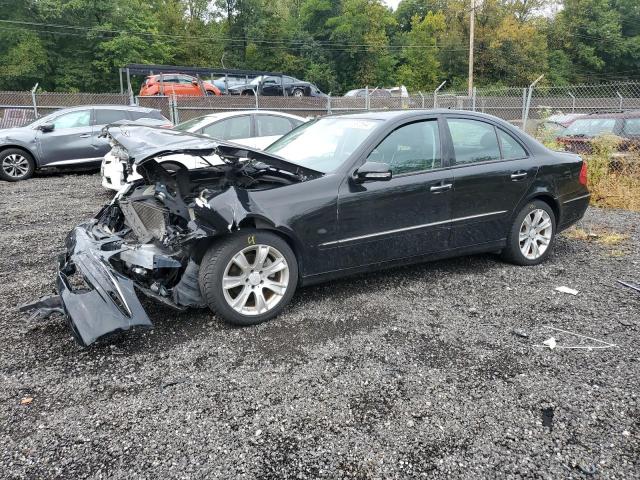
(251, 128)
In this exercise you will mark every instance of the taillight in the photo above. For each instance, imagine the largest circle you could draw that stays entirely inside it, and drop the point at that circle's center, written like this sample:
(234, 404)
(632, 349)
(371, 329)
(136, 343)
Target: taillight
(583, 174)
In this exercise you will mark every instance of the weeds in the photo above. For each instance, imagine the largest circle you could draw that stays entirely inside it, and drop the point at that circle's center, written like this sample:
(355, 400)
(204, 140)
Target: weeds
(614, 175)
(603, 237)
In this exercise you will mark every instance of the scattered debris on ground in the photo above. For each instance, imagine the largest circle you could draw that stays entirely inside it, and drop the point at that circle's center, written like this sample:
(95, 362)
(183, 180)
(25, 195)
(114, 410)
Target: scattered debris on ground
(553, 343)
(387, 375)
(568, 290)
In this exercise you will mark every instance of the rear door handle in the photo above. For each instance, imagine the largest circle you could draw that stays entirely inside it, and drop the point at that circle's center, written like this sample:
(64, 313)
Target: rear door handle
(518, 175)
(441, 188)
(85, 135)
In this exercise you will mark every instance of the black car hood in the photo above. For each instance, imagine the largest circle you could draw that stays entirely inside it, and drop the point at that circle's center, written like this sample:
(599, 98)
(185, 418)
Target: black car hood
(143, 143)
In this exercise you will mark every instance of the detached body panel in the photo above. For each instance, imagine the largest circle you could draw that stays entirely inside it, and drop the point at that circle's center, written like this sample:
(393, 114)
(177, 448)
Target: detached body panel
(107, 303)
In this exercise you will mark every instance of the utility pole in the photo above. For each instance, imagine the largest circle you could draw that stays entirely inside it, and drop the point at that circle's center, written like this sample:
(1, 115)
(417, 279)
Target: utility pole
(472, 21)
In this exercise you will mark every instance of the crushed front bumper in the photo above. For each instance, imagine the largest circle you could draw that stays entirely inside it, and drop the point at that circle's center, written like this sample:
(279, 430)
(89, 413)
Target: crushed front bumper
(105, 302)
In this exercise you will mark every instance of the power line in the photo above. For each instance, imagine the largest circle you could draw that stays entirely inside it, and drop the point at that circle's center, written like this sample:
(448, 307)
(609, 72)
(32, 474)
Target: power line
(87, 30)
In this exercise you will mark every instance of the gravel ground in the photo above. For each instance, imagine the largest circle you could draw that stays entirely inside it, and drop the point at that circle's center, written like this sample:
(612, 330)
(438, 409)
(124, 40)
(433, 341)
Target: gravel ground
(430, 370)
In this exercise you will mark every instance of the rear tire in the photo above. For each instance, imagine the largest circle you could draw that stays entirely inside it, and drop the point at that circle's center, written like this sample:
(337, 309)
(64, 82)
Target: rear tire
(248, 277)
(298, 92)
(16, 164)
(532, 234)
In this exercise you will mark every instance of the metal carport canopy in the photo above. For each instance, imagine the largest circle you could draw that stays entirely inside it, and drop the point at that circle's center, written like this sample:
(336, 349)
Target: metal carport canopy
(149, 69)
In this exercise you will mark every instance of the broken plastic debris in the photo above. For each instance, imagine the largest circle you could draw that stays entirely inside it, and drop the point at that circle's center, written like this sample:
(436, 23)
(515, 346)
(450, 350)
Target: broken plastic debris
(629, 285)
(568, 290)
(551, 343)
(26, 400)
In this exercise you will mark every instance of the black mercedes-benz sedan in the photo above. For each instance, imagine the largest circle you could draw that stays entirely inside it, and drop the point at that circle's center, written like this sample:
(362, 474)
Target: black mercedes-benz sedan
(336, 196)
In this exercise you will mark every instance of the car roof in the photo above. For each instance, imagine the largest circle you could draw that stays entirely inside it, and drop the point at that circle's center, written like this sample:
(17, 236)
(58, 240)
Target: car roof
(615, 114)
(236, 113)
(393, 114)
(107, 106)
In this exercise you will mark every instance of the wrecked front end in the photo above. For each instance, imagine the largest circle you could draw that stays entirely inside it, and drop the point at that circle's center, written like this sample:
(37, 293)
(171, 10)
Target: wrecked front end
(150, 240)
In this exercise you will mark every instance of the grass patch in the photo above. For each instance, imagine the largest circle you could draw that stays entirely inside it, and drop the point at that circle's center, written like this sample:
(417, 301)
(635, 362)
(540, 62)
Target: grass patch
(602, 237)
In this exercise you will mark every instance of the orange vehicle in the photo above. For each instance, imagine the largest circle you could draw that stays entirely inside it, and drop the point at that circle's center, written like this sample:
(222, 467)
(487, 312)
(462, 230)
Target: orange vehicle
(176, 84)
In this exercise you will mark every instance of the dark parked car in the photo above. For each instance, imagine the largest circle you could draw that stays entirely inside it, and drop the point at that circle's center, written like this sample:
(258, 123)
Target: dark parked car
(336, 196)
(230, 81)
(66, 138)
(273, 86)
(579, 135)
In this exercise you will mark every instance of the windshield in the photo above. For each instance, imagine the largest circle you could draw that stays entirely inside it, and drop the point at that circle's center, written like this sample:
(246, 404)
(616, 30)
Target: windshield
(185, 126)
(323, 144)
(590, 127)
(256, 80)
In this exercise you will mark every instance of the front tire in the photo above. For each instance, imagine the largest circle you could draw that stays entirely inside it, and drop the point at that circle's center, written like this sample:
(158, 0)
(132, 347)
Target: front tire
(532, 234)
(16, 164)
(298, 93)
(249, 277)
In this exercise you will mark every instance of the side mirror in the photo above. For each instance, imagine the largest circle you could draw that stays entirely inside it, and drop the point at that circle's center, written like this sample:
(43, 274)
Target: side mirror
(47, 127)
(194, 82)
(372, 171)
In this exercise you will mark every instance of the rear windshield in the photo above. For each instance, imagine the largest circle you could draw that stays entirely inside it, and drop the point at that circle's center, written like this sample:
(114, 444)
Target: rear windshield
(590, 127)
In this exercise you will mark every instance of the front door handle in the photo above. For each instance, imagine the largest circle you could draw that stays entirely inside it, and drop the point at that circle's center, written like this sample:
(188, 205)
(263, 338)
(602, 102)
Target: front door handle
(518, 175)
(85, 135)
(441, 188)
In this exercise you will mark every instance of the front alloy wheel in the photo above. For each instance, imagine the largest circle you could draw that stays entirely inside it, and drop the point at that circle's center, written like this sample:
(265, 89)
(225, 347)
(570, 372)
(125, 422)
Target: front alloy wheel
(15, 165)
(249, 276)
(255, 280)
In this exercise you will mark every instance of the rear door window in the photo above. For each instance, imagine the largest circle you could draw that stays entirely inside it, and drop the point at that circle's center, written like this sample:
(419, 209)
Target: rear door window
(230, 128)
(106, 116)
(271, 125)
(473, 141)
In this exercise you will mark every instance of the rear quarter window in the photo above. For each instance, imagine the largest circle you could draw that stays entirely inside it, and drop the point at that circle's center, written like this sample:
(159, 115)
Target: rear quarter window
(511, 149)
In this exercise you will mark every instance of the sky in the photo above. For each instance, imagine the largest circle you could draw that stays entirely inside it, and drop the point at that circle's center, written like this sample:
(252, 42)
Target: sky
(392, 3)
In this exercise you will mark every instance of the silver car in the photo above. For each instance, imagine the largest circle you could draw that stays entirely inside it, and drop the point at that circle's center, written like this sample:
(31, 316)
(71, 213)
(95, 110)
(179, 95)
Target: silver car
(66, 138)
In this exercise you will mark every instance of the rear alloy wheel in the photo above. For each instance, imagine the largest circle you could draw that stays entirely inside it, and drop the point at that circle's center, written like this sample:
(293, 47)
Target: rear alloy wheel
(16, 165)
(249, 278)
(298, 93)
(532, 234)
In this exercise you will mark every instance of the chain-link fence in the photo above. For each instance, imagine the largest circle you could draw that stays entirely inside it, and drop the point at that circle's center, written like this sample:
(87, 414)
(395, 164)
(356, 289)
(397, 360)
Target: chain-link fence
(20, 108)
(521, 106)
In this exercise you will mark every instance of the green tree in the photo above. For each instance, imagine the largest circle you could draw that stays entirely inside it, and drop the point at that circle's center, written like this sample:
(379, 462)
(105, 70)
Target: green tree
(421, 70)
